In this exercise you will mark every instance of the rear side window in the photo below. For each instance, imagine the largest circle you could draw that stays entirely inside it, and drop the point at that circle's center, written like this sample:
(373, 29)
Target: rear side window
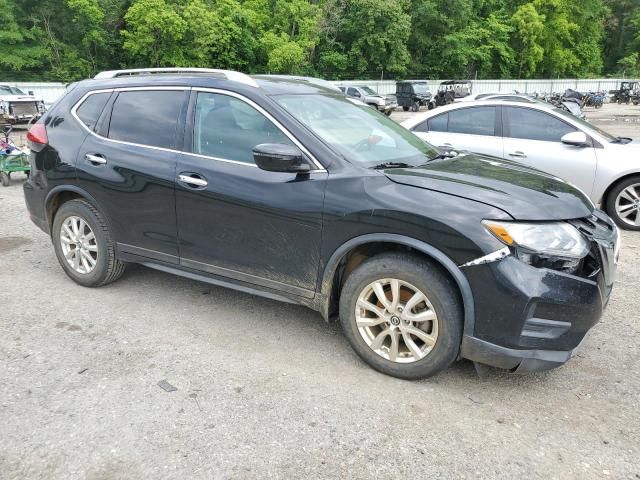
(435, 124)
(473, 121)
(147, 117)
(89, 111)
(531, 124)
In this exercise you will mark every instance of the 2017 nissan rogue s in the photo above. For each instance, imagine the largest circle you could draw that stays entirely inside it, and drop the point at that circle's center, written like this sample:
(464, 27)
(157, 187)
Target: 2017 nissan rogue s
(284, 188)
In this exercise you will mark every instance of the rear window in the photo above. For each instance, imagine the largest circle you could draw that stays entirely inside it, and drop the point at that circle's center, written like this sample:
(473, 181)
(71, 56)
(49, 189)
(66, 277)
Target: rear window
(147, 117)
(90, 110)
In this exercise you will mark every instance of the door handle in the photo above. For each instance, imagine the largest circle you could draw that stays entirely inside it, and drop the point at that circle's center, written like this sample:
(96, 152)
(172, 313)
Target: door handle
(192, 180)
(518, 155)
(95, 159)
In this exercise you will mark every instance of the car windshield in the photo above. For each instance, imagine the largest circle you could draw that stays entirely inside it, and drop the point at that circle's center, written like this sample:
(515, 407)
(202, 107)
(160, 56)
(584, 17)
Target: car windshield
(368, 91)
(356, 131)
(7, 90)
(420, 88)
(585, 124)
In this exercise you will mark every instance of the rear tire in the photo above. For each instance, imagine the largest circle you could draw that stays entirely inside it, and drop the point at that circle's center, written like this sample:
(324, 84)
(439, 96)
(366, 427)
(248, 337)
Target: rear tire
(623, 203)
(438, 321)
(405, 109)
(84, 245)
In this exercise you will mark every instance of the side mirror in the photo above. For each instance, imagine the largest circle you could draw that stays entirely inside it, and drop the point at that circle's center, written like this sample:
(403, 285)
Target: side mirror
(30, 92)
(277, 157)
(577, 139)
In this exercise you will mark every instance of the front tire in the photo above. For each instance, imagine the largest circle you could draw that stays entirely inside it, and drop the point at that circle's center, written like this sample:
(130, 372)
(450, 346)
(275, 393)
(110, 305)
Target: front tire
(402, 315)
(84, 245)
(5, 179)
(623, 203)
(405, 109)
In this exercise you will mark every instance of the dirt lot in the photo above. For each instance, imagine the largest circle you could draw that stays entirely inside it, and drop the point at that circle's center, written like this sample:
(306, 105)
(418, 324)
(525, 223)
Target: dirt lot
(268, 390)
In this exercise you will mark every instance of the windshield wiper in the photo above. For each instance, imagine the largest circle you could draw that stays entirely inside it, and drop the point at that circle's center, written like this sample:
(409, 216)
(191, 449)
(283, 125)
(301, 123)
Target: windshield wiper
(622, 140)
(444, 155)
(381, 166)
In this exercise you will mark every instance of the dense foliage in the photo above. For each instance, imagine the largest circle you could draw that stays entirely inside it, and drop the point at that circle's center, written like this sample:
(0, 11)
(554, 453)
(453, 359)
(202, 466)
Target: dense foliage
(70, 39)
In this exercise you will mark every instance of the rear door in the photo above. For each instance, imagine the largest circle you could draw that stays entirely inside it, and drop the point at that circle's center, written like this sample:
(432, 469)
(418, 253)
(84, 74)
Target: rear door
(128, 165)
(474, 129)
(533, 137)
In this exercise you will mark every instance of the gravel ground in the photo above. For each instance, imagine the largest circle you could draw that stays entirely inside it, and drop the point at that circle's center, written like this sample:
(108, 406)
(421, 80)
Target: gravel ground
(268, 390)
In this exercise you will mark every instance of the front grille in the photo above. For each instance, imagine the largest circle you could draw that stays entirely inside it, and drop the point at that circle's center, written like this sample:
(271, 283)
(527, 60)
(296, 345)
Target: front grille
(595, 226)
(23, 108)
(602, 233)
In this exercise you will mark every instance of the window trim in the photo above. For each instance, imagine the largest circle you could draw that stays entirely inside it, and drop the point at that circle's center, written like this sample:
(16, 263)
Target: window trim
(319, 166)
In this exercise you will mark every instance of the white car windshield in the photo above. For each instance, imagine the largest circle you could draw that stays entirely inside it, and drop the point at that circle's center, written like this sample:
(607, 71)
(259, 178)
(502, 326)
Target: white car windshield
(356, 131)
(7, 90)
(369, 91)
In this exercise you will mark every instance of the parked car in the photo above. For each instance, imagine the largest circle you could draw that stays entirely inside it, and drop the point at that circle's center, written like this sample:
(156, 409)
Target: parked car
(17, 106)
(412, 94)
(547, 138)
(386, 104)
(289, 190)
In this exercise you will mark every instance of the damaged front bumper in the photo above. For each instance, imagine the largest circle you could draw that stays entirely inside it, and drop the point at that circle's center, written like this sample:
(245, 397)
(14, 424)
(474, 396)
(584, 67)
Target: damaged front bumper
(535, 318)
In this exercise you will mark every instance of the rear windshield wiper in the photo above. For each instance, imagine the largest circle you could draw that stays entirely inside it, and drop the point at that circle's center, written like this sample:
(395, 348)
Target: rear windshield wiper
(381, 166)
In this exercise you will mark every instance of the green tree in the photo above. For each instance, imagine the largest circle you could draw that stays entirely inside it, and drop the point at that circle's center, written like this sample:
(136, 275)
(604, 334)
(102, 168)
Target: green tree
(153, 34)
(22, 47)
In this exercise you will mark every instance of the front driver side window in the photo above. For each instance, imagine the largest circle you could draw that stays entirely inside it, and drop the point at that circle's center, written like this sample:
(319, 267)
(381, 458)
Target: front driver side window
(530, 124)
(228, 128)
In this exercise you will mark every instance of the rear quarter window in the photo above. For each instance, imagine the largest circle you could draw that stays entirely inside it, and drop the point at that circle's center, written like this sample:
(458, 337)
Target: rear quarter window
(90, 109)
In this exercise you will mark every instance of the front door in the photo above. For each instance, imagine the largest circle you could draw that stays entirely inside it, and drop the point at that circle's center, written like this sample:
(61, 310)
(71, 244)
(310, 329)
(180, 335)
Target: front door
(533, 137)
(236, 220)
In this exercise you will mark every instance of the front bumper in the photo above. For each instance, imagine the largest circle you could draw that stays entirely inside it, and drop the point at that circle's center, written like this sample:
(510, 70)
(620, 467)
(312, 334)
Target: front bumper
(530, 319)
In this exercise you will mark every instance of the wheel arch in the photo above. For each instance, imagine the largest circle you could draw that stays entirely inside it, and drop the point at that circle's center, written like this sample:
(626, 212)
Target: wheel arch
(379, 243)
(60, 195)
(612, 185)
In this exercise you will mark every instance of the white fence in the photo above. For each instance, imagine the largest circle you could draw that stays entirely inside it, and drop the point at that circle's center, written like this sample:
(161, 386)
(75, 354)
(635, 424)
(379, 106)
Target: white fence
(504, 86)
(50, 92)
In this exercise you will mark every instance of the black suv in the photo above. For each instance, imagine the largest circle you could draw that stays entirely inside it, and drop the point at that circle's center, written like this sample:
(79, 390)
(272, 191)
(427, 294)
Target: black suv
(287, 189)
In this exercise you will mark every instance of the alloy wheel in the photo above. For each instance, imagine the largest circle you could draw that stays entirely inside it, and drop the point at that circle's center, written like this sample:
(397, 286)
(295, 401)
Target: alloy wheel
(396, 320)
(79, 245)
(628, 205)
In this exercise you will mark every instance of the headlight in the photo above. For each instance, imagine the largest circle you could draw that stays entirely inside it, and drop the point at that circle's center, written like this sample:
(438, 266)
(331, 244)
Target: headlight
(41, 107)
(556, 245)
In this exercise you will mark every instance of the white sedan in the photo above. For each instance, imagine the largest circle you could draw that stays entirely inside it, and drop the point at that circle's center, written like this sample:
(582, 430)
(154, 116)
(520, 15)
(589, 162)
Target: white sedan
(605, 167)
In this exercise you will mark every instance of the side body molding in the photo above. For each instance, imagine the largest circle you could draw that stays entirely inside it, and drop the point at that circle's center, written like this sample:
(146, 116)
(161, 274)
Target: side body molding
(430, 251)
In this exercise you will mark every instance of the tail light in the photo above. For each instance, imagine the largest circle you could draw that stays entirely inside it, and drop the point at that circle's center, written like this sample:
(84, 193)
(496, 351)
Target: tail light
(37, 137)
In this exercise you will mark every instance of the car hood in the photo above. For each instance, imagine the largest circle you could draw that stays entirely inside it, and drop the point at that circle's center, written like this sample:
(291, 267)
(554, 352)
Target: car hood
(522, 192)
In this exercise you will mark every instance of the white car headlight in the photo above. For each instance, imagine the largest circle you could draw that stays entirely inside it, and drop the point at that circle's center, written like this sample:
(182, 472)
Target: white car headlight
(556, 240)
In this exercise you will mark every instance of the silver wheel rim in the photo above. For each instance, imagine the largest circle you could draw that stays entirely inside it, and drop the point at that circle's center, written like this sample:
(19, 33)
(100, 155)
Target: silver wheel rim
(628, 205)
(396, 320)
(79, 244)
